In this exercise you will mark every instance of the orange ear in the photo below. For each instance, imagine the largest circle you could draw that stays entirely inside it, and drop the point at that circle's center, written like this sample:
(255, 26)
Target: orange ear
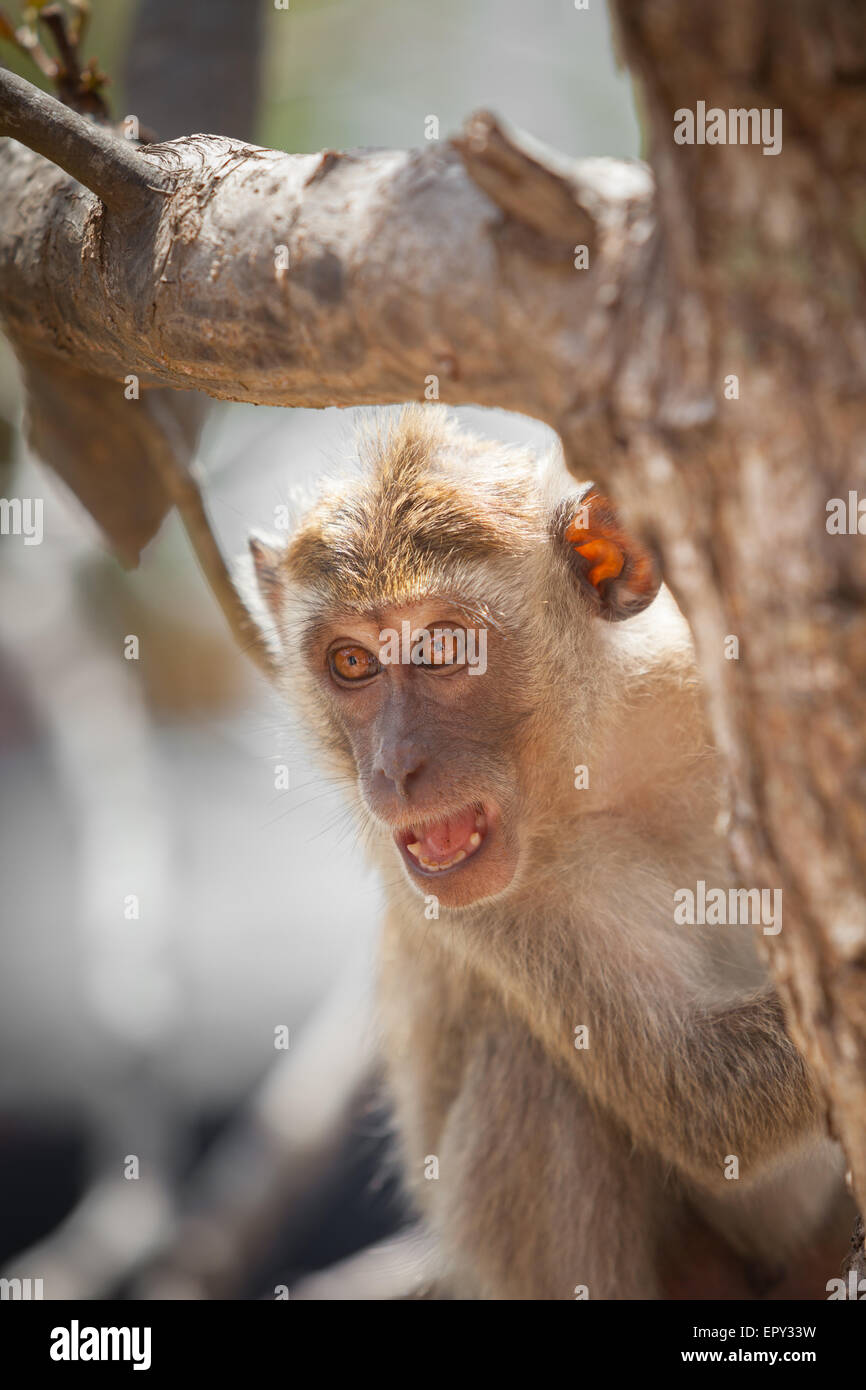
(622, 576)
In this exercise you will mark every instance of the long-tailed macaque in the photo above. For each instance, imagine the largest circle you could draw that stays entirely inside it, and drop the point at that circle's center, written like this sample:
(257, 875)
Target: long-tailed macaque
(582, 1076)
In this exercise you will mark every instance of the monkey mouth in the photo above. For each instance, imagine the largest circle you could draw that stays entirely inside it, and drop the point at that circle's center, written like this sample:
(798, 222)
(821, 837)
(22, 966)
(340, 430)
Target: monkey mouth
(432, 847)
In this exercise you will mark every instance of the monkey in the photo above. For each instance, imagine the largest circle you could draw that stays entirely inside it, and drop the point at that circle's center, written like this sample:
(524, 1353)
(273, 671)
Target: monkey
(585, 1089)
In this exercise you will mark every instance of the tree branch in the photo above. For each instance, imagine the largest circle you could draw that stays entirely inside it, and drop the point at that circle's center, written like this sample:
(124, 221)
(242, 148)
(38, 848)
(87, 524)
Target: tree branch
(108, 166)
(532, 184)
(182, 488)
(335, 279)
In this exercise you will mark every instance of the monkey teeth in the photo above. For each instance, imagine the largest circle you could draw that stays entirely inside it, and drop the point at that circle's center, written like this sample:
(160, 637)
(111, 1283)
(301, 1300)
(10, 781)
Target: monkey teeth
(443, 844)
(415, 850)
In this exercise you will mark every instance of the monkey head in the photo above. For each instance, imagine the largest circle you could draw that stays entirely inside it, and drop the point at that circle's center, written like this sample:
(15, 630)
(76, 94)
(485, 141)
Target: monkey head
(438, 619)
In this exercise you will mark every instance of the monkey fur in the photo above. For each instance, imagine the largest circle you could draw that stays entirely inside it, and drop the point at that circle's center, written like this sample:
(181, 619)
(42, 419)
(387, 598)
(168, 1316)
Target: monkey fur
(561, 1171)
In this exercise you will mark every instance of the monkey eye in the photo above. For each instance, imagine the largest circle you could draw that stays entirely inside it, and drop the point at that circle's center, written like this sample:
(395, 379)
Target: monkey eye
(353, 664)
(443, 650)
(439, 649)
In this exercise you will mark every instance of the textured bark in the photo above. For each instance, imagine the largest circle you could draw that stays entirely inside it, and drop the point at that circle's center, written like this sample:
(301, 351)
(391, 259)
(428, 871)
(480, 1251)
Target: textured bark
(398, 267)
(457, 262)
(765, 258)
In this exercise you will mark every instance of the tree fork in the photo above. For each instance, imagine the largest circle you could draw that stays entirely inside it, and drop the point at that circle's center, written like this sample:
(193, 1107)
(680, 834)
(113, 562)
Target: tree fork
(111, 168)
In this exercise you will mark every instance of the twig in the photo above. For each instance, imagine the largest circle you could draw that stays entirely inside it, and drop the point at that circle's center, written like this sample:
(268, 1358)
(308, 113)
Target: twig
(78, 85)
(181, 486)
(121, 177)
(245, 630)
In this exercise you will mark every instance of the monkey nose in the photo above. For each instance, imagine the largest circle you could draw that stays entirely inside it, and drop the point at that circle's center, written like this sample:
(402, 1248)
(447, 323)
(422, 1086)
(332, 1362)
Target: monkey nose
(400, 772)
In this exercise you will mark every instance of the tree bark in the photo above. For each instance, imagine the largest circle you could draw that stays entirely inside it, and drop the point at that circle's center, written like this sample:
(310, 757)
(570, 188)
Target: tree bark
(765, 259)
(350, 279)
(327, 279)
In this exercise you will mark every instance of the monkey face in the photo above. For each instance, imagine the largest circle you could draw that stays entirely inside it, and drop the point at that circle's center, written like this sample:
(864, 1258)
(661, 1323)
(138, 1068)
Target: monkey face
(415, 694)
(459, 731)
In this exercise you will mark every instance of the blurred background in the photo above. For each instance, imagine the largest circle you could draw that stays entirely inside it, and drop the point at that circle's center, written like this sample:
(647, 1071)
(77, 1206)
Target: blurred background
(169, 905)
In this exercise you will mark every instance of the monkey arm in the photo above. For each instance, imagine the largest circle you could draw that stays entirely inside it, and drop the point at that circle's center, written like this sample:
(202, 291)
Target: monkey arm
(723, 1082)
(692, 1084)
(758, 1095)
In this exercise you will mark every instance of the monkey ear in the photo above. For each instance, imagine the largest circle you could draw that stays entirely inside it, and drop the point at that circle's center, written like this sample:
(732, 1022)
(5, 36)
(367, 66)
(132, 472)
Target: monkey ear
(620, 576)
(266, 565)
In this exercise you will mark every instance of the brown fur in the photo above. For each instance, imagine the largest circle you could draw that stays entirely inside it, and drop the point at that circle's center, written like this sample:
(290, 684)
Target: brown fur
(557, 1167)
